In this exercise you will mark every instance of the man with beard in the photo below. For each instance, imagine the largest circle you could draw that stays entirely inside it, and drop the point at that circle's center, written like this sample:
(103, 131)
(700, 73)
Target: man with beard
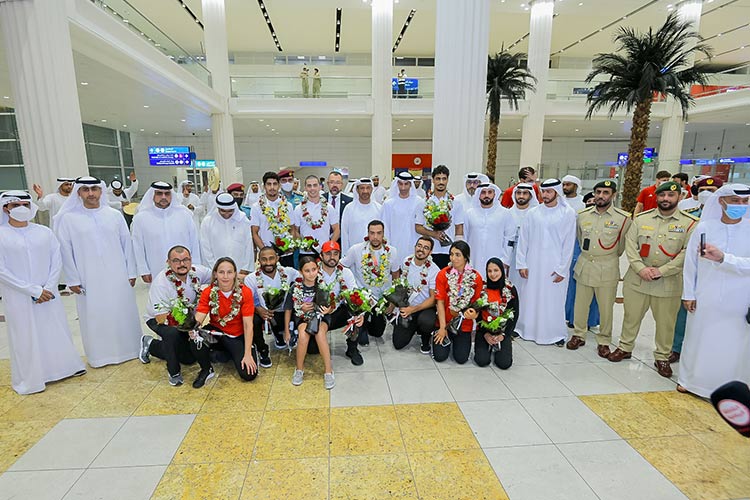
(54, 201)
(190, 200)
(373, 263)
(378, 191)
(655, 246)
(181, 279)
(226, 233)
(271, 219)
(571, 187)
(601, 231)
(357, 216)
(526, 175)
(335, 197)
(119, 197)
(315, 218)
(545, 248)
(440, 201)
(269, 277)
(253, 194)
(489, 227)
(288, 192)
(401, 206)
(160, 224)
(524, 198)
(471, 181)
(420, 315)
(339, 278)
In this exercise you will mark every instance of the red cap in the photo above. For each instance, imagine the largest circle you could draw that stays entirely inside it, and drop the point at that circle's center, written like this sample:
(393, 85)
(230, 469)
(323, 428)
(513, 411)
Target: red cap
(710, 182)
(235, 187)
(287, 172)
(329, 246)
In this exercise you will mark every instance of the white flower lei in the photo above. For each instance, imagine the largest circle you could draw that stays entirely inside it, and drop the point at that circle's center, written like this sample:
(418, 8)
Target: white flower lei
(314, 224)
(192, 276)
(423, 273)
(338, 277)
(278, 220)
(282, 274)
(375, 274)
(236, 302)
(460, 302)
(298, 297)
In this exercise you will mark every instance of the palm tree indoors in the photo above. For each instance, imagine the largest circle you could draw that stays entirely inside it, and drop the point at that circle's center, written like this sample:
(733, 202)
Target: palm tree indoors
(646, 65)
(507, 78)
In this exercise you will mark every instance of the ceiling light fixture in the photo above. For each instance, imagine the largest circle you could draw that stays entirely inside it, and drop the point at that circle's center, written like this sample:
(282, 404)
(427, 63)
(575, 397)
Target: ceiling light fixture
(183, 120)
(104, 121)
(146, 106)
(269, 24)
(142, 130)
(190, 12)
(403, 29)
(84, 83)
(338, 30)
(156, 133)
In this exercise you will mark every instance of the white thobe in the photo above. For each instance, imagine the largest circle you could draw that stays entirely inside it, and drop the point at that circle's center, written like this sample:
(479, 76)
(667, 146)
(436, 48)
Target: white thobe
(353, 260)
(162, 292)
(354, 222)
(261, 221)
(545, 246)
(41, 346)
(397, 214)
(208, 203)
(519, 216)
(52, 202)
(254, 284)
(156, 231)
(220, 237)
(717, 336)
(323, 233)
(465, 201)
(489, 231)
(126, 195)
(378, 194)
(97, 254)
(688, 203)
(192, 199)
(457, 217)
(576, 203)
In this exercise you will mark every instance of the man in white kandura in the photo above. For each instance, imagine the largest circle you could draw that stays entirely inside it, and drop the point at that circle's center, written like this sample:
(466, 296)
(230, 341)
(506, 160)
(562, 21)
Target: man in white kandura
(41, 346)
(358, 214)
(490, 227)
(545, 248)
(572, 187)
(471, 181)
(118, 196)
(98, 261)
(524, 199)
(253, 193)
(717, 295)
(190, 200)
(314, 217)
(398, 210)
(378, 191)
(54, 201)
(160, 224)
(226, 233)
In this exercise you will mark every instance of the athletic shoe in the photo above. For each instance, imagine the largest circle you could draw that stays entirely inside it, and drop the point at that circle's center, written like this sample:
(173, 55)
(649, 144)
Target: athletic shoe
(176, 380)
(329, 381)
(80, 373)
(145, 344)
(280, 346)
(203, 376)
(297, 377)
(265, 360)
(425, 348)
(355, 356)
(560, 343)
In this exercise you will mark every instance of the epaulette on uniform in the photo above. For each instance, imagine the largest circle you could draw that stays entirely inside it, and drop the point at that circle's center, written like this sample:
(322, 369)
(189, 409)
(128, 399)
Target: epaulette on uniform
(694, 217)
(587, 209)
(646, 212)
(691, 210)
(622, 212)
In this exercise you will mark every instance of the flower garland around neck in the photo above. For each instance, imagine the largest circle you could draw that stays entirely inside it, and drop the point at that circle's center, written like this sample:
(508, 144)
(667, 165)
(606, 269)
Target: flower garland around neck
(213, 301)
(192, 276)
(506, 295)
(298, 298)
(284, 277)
(375, 273)
(460, 290)
(278, 220)
(314, 224)
(423, 273)
(338, 278)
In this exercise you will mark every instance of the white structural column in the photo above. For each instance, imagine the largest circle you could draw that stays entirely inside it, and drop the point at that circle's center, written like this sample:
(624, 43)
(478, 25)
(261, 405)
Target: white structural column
(461, 48)
(43, 80)
(382, 125)
(217, 58)
(540, 37)
(673, 127)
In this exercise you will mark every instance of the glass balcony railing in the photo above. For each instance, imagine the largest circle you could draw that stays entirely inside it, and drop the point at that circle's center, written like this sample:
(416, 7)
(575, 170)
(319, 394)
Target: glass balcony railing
(284, 87)
(139, 24)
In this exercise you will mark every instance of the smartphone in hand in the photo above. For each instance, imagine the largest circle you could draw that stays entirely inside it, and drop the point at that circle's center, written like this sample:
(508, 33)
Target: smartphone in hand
(703, 244)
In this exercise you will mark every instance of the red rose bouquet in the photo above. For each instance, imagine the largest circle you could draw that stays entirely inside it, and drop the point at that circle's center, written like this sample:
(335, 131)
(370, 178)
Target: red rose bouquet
(284, 244)
(359, 301)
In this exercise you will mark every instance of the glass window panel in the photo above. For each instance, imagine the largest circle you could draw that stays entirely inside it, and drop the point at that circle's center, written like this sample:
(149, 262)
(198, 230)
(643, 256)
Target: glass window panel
(107, 174)
(127, 157)
(426, 61)
(405, 61)
(12, 178)
(8, 128)
(10, 153)
(102, 155)
(125, 139)
(99, 135)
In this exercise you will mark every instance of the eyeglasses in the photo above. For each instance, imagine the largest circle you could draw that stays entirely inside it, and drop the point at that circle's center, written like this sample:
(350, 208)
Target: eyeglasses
(186, 260)
(422, 247)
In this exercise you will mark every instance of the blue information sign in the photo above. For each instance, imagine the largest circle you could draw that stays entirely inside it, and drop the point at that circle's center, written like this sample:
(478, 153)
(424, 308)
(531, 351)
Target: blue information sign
(169, 156)
(204, 163)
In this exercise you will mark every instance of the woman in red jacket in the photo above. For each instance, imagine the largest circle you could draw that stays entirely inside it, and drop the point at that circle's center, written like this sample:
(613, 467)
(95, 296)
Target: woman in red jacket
(457, 286)
(497, 345)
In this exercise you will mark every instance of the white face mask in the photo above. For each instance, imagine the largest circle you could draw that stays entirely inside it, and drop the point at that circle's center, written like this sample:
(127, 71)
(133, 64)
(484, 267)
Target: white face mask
(21, 214)
(703, 196)
(287, 186)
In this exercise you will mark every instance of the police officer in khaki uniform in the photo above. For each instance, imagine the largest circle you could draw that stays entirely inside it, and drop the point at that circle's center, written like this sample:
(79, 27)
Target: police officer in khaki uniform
(601, 231)
(655, 246)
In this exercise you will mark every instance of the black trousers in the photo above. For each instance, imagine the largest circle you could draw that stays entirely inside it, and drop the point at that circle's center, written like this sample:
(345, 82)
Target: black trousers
(175, 347)
(460, 345)
(374, 325)
(422, 322)
(337, 319)
(235, 346)
(502, 358)
(441, 259)
(277, 330)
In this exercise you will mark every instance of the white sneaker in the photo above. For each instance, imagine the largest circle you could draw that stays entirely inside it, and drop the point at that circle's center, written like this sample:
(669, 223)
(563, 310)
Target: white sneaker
(329, 381)
(297, 377)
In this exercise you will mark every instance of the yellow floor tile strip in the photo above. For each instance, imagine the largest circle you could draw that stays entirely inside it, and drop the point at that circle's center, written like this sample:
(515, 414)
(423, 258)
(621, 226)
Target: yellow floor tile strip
(683, 437)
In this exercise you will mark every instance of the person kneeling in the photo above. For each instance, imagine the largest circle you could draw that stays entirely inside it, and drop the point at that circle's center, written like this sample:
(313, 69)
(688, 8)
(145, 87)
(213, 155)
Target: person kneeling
(494, 343)
(309, 320)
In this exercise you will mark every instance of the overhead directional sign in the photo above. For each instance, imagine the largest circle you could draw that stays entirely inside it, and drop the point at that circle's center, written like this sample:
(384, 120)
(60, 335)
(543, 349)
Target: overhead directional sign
(169, 156)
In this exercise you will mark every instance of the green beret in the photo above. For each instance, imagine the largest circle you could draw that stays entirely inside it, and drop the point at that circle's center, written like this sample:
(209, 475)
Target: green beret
(606, 184)
(668, 186)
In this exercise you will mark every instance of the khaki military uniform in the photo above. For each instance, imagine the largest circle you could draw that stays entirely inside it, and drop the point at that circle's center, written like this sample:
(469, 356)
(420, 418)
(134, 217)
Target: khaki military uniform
(657, 241)
(601, 236)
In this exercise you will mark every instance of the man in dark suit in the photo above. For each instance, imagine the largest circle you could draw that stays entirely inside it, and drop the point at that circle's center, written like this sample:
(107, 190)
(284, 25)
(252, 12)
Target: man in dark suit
(335, 197)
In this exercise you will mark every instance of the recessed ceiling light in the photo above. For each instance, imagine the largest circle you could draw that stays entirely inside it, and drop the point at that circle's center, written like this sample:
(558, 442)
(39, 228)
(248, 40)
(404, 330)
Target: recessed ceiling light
(577, 130)
(580, 4)
(261, 119)
(104, 121)
(273, 130)
(183, 120)
(124, 126)
(156, 133)
(337, 120)
(6, 97)
(622, 121)
(141, 130)
(518, 130)
(146, 106)
(412, 121)
(208, 130)
(554, 121)
(611, 133)
(268, 125)
(335, 130)
(84, 83)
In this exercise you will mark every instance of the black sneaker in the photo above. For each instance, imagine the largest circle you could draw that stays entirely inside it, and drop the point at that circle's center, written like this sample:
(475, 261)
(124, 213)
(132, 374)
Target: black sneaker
(425, 348)
(265, 360)
(355, 356)
(203, 376)
(560, 343)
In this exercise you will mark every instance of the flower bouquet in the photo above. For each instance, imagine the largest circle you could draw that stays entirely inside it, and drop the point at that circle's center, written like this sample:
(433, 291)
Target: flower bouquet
(306, 244)
(179, 313)
(273, 298)
(359, 301)
(438, 217)
(398, 295)
(321, 300)
(284, 244)
(495, 324)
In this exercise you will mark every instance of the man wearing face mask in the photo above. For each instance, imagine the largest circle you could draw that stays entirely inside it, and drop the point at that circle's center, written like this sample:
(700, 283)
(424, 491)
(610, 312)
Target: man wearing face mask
(226, 233)
(286, 181)
(41, 346)
(717, 295)
(54, 201)
(160, 224)
(237, 191)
